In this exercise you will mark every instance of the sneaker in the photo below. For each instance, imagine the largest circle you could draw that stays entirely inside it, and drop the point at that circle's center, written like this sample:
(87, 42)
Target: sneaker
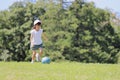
(32, 61)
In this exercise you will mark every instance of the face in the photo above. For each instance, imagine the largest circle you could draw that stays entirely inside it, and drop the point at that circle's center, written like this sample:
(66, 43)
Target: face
(37, 26)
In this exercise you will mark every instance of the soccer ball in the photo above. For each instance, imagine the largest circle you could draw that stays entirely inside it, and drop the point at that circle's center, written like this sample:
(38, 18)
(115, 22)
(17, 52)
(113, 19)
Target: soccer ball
(45, 60)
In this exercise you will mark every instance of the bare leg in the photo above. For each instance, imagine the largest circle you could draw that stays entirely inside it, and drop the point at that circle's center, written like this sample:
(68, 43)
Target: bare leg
(41, 52)
(33, 56)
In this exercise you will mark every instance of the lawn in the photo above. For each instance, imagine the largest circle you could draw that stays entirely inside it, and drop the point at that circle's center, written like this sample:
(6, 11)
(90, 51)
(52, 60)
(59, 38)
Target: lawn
(58, 71)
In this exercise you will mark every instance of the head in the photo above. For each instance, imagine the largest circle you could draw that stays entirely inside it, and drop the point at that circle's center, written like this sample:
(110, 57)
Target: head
(37, 24)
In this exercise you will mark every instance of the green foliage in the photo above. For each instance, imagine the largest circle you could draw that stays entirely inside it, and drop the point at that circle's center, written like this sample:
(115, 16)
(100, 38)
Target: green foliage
(80, 33)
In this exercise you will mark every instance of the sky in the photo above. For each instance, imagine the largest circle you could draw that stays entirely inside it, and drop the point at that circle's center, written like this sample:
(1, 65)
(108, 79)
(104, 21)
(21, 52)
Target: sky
(113, 5)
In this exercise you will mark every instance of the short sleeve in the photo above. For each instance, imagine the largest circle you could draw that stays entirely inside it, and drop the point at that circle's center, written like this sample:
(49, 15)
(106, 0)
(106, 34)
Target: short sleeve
(32, 31)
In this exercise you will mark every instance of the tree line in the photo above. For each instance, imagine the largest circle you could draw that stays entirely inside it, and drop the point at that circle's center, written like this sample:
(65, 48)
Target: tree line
(80, 32)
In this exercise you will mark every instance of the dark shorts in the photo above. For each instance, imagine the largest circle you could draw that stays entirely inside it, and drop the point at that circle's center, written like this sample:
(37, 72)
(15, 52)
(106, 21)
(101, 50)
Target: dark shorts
(36, 47)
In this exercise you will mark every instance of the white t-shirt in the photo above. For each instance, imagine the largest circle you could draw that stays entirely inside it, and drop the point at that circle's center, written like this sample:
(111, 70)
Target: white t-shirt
(36, 36)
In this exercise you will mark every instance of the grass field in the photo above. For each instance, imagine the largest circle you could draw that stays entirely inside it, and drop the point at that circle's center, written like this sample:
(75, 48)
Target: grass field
(58, 71)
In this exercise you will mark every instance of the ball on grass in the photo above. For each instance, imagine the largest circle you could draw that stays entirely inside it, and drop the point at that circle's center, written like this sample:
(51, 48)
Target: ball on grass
(45, 60)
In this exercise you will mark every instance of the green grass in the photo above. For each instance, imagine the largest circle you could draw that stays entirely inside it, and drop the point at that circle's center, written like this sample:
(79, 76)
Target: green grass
(58, 71)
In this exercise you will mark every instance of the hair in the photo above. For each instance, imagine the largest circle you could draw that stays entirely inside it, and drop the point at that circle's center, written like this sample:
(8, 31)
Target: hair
(39, 23)
(34, 27)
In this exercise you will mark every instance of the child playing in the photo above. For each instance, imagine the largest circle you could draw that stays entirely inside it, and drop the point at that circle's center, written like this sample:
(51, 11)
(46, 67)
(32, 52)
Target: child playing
(36, 39)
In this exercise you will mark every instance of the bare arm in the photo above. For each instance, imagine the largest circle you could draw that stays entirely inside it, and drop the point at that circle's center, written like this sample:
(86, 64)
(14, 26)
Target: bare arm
(31, 36)
(44, 36)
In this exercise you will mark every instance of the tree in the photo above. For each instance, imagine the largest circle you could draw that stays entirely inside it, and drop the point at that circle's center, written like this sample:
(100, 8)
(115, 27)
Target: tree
(94, 37)
(80, 32)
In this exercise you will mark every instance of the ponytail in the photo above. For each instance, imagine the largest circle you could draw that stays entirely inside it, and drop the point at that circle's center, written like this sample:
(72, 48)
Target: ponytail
(33, 27)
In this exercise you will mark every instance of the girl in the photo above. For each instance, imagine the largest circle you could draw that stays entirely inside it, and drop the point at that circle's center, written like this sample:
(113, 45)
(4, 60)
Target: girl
(36, 39)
